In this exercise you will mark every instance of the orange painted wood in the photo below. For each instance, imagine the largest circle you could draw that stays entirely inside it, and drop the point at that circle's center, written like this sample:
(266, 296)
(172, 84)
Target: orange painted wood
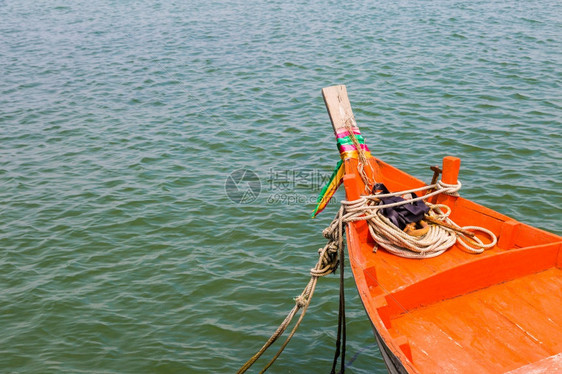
(549, 365)
(506, 238)
(474, 275)
(451, 168)
(490, 331)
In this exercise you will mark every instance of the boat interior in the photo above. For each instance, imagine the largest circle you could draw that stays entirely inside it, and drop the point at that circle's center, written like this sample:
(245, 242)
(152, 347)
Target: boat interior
(461, 304)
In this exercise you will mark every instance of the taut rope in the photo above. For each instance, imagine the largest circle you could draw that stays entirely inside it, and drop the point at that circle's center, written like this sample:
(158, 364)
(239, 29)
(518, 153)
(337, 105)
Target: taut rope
(328, 261)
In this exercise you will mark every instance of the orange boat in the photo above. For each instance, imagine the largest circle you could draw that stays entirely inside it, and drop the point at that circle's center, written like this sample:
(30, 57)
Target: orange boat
(459, 312)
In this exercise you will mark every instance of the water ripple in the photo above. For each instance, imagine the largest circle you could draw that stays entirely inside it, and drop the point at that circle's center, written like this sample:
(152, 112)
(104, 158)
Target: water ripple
(120, 122)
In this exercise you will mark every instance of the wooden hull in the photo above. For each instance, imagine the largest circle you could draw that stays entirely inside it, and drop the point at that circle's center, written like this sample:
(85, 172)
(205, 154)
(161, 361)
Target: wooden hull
(495, 312)
(460, 312)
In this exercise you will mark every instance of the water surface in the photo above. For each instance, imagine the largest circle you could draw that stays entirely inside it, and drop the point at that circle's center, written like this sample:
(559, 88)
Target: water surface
(120, 122)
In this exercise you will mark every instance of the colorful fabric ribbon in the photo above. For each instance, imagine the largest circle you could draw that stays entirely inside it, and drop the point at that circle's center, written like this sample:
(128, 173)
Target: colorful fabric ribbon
(329, 189)
(347, 150)
(345, 143)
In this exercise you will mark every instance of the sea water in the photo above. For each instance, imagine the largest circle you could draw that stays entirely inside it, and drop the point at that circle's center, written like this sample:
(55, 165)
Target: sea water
(159, 162)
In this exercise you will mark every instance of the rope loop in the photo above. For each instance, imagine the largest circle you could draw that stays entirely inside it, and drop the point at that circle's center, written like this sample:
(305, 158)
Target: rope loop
(477, 242)
(449, 189)
(437, 210)
(332, 248)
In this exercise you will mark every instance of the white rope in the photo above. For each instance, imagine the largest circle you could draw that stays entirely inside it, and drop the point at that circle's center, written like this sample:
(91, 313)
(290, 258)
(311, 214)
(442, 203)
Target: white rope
(452, 189)
(438, 238)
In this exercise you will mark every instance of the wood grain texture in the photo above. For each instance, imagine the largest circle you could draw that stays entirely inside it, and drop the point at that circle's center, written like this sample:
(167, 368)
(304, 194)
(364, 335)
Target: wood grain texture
(338, 106)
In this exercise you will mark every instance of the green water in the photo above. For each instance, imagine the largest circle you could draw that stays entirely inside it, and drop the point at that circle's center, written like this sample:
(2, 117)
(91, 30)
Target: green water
(120, 122)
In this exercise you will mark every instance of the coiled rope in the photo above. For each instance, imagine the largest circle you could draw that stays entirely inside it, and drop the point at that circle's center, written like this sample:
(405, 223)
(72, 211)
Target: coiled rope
(440, 237)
